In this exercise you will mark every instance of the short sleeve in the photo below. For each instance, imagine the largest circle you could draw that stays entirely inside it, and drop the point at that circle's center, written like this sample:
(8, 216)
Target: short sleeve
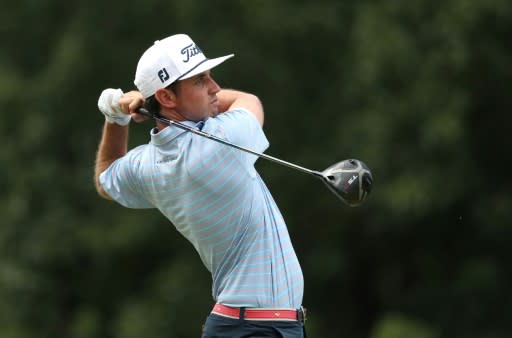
(240, 127)
(121, 183)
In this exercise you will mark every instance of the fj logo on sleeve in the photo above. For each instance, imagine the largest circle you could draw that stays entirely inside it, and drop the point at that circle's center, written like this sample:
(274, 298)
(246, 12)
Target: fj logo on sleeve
(190, 51)
(163, 75)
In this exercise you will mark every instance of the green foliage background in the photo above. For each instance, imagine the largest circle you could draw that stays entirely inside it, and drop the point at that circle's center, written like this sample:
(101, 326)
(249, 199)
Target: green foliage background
(419, 90)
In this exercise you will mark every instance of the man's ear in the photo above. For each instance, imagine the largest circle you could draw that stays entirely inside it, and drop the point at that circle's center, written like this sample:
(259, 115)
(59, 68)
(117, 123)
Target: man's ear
(166, 98)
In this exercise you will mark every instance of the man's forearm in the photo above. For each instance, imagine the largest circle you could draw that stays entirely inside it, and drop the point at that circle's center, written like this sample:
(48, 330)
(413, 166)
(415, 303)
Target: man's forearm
(230, 99)
(227, 97)
(113, 145)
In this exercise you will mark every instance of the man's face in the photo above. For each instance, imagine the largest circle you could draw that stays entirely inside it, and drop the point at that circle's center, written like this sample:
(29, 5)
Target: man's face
(196, 97)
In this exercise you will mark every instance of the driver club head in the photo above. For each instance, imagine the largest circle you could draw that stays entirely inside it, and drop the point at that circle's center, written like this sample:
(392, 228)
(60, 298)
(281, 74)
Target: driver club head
(351, 180)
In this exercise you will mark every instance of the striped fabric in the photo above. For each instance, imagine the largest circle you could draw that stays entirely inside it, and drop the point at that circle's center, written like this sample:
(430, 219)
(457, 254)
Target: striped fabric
(215, 198)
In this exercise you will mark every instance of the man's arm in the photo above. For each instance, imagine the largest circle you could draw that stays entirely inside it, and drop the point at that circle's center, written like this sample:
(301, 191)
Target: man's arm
(114, 139)
(230, 99)
(113, 145)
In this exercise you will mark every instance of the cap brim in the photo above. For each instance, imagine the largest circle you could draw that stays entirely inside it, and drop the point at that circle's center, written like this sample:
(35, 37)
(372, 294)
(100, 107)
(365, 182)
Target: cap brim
(207, 64)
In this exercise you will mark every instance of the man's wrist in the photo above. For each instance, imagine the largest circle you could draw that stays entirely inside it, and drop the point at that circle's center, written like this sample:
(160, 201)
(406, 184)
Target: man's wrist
(120, 120)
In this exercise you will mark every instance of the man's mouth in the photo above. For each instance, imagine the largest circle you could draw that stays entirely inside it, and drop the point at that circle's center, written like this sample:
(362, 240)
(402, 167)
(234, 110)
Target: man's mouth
(215, 103)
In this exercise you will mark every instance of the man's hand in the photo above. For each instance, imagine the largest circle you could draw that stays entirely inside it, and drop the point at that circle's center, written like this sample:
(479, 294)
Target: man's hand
(129, 102)
(108, 104)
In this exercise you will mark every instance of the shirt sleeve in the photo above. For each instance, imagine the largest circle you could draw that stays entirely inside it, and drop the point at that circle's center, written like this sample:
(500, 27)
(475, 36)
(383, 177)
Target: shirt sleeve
(120, 182)
(242, 128)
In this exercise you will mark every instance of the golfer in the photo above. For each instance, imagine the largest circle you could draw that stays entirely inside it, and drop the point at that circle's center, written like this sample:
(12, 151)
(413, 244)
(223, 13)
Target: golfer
(210, 192)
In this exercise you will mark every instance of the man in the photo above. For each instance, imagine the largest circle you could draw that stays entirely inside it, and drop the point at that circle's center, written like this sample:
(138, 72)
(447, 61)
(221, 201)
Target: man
(210, 192)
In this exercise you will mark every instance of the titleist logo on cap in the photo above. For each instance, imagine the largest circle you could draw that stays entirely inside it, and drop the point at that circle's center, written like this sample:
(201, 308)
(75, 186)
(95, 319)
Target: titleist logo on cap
(190, 51)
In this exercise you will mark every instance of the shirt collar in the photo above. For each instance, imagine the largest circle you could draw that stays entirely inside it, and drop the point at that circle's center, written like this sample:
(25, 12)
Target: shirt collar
(171, 132)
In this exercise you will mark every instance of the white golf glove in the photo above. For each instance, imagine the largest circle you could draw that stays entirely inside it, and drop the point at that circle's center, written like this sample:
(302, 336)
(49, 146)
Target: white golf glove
(108, 103)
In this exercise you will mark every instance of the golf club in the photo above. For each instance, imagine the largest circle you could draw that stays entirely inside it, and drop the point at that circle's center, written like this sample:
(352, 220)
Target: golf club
(350, 180)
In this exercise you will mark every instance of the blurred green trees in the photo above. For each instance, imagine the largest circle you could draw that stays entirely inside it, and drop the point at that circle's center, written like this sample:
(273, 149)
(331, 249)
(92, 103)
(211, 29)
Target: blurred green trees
(419, 90)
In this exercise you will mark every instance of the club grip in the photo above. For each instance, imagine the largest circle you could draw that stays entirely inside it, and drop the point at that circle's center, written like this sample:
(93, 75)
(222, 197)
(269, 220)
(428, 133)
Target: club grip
(143, 111)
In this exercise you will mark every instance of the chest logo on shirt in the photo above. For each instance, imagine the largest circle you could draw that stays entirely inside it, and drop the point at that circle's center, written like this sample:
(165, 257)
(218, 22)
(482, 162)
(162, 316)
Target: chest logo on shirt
(167, 158)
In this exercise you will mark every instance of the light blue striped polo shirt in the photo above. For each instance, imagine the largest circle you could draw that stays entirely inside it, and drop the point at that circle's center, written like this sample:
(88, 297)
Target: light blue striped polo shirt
(215, 198)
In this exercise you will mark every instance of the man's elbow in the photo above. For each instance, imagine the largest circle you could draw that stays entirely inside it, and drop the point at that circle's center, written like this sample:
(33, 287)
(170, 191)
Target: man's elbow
(102, 192)
(255, 105)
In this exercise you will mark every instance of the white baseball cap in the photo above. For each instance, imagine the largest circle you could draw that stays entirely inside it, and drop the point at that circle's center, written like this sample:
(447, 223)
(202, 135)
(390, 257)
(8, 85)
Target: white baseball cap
(174, 58)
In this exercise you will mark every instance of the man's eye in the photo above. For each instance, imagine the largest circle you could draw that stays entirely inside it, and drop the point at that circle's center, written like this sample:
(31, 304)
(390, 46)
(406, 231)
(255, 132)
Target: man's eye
(202, 81)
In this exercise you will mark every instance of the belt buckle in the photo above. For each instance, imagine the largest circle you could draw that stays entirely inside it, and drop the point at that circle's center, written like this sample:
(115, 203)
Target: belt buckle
(301, 314)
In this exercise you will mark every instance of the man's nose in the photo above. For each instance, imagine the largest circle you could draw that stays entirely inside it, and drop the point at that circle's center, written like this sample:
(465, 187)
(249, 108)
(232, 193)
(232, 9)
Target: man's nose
(214, 87)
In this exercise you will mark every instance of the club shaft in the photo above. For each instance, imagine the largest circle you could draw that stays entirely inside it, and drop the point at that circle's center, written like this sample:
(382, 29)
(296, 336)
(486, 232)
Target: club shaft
(180, 125)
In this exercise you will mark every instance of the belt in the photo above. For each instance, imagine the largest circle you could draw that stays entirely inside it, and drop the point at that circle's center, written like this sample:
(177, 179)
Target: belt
(260, 313)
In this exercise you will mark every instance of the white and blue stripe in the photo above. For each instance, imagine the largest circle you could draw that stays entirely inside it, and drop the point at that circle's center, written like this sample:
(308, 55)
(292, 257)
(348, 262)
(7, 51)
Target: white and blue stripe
(216, 199)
